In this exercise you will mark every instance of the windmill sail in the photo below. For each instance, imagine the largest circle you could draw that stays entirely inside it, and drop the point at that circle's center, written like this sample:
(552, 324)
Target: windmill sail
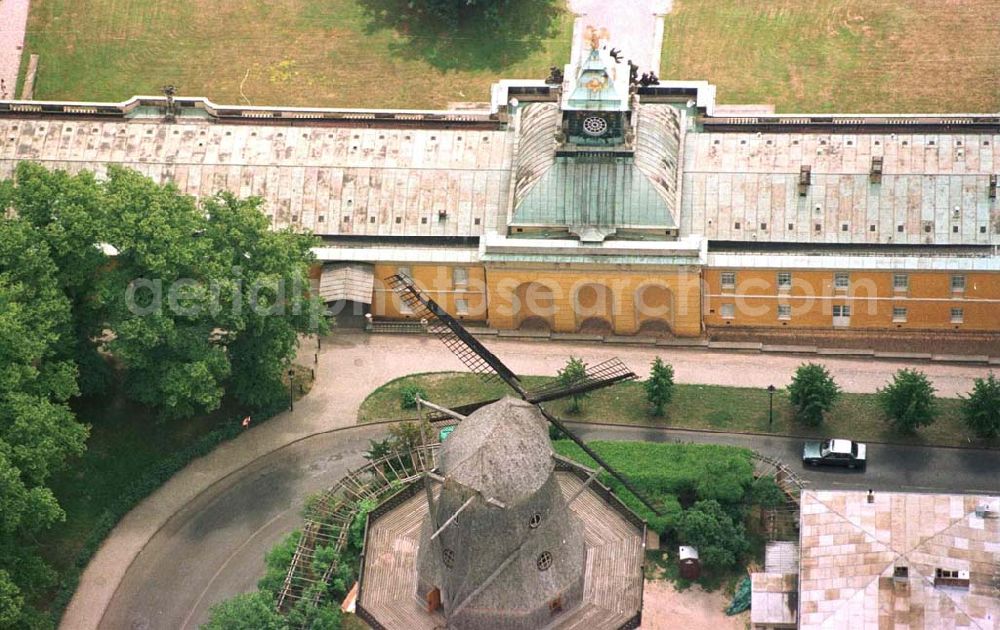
(463, 345)
(483, 362)
(601, 375)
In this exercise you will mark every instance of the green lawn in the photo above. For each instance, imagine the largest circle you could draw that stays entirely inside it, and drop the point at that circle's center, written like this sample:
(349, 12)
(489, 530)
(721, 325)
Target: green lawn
(840, 55)
(355, 53)
(694, 407)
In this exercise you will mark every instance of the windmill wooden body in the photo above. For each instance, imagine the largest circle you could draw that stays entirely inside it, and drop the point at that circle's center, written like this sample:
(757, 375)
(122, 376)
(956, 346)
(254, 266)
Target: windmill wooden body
(506, 534)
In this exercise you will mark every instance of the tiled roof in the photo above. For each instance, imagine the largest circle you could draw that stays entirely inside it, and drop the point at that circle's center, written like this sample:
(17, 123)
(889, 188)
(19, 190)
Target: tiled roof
(324, 179)
(850, 549)
(934, 187)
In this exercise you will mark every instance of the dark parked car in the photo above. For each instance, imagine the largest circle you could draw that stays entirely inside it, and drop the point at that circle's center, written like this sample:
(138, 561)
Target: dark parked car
(835, 453)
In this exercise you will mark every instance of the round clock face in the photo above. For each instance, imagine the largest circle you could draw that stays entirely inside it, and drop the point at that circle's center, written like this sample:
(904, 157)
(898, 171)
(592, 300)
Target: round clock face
(594, 126)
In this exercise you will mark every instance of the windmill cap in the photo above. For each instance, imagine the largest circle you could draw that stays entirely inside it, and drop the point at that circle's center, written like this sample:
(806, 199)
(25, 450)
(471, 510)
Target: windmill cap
(501, 450)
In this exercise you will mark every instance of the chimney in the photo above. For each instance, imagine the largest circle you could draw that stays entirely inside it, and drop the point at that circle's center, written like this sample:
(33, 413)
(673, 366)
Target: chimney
(805, 178)
(875, 174)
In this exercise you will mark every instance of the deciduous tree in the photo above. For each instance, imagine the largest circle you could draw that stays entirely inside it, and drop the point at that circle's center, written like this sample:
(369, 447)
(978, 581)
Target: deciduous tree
(38, 432)
(720, 541)
(69, 214)
(203, 297)
(812, 392)
(908, 400)
(981, 409)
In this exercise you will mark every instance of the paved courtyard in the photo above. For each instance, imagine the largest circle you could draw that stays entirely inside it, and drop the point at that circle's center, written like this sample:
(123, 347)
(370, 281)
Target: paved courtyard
(13, 19)
(634, 26)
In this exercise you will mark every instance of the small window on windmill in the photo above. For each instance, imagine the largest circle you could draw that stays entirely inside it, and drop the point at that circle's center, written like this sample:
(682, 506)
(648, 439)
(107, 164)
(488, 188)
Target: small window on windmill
(544, 561)
(448, 557)
(535, 520)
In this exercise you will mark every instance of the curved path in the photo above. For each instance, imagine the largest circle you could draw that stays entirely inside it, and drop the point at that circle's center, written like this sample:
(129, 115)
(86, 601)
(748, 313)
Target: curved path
(214, 547)
(350, 366)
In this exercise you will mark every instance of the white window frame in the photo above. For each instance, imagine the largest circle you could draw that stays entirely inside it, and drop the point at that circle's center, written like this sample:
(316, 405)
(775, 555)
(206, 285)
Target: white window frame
(900, 287)
(842, 275)
(784, 312)
(722, 279)
(958, 287)
(899, 314)
(958, 315)
(784, 286)
(841, 315)
(728, 311)
(460, 277)
(406, 271)
(461, 306)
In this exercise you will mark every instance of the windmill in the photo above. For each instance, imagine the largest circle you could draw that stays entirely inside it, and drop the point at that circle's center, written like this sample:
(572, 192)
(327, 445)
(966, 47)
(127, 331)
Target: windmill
(487, 365)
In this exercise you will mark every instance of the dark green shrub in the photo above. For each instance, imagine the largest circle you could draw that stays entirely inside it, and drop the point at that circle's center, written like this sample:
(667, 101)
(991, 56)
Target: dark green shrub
(908, 401)
(981, 410)
(812, 392)
(575, 370)
(248, 611)
(720, 540)
(408, 395)
(766, 493)
(660, 386)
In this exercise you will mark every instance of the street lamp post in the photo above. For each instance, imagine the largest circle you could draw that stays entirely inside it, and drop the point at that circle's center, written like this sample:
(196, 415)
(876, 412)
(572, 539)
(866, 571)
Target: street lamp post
(770, 405)
(291, 382)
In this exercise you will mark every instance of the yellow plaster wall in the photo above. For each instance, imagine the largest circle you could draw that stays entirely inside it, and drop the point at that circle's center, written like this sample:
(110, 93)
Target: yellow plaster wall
(871, 295)
(683, 283)
(437, 282)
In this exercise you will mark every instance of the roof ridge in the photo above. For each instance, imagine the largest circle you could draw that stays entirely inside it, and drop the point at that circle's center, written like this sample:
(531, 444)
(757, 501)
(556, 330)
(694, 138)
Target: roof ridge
(868, 535)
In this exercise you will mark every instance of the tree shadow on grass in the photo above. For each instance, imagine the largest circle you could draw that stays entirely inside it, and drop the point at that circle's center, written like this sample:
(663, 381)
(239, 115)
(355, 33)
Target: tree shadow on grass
(476, 37)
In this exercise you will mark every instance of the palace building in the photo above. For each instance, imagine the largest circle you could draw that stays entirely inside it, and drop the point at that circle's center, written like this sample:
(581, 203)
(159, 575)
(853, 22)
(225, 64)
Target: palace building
(590, 203)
